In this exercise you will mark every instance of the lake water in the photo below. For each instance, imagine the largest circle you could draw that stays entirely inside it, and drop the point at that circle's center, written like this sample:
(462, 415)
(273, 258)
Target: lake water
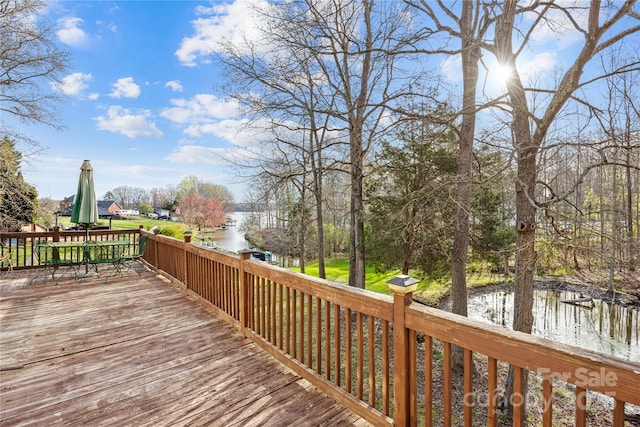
(232, 238)
(601, 326)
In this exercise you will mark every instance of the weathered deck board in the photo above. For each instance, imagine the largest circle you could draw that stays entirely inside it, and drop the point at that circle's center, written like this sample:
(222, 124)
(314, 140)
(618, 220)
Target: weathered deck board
(136, 351)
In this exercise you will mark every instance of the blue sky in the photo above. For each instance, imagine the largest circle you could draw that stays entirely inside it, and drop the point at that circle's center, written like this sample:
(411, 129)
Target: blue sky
(141, 103)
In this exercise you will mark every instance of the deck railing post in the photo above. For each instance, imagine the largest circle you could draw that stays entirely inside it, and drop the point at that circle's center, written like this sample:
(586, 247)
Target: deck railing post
(56, 233)
(185, 274)
(245, 254)
(156, 261)
(402, 288)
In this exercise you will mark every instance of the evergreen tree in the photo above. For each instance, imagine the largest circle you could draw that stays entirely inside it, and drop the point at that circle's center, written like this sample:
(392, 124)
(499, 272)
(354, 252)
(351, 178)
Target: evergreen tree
(411, 216)
(19, 199)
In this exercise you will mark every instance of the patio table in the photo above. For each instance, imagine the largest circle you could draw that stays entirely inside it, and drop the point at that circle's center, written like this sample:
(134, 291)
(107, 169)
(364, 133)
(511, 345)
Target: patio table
(74, 254)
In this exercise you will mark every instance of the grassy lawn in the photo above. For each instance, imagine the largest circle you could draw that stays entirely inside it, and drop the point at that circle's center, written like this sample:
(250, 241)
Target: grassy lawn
(429, 291)
(119, 224)
(169, 228)
(337, 270)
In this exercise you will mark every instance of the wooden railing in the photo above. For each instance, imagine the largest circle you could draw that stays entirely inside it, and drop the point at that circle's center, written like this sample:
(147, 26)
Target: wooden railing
(22, 245)
(386, 357)
(377, 354)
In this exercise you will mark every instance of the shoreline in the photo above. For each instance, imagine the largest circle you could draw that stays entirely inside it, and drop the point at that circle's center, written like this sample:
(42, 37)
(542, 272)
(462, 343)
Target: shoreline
(594, 291)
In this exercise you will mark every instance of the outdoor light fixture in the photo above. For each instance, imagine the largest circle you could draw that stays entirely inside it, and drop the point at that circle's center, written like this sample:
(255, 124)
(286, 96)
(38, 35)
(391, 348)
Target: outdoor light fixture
(403, 284)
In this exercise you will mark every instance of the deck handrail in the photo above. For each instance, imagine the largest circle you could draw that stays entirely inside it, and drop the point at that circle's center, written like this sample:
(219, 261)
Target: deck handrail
(375, 353)
(22, 245)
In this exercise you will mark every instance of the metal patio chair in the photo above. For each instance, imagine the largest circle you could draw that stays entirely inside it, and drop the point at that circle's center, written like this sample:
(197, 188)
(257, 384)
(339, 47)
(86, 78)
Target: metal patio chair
(128, 259)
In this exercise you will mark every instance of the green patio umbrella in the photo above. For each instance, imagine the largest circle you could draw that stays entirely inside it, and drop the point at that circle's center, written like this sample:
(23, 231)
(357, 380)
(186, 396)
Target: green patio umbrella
(85, 207)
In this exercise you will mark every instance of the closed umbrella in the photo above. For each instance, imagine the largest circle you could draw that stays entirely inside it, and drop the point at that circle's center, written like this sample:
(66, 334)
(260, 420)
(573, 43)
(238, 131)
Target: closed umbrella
(85, 207)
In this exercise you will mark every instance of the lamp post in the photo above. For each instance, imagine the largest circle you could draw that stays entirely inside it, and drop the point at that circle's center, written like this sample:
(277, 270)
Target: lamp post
(403, 284)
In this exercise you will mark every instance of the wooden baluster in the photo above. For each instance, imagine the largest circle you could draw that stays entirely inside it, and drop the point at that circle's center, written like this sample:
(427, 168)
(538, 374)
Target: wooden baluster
(282, 337)
(518, 396)
(337, 348)
(385, 367)
(618, 413)
(446, 361)
(319, 335)
(411, 379)
(264, 305)
(581, 406)
(273, 311)
(372, 360)
(301, 330)
(327, 338)
(468, 388)
(309, 330)
(547, 404)
(348, 346)
(492, 410)
(428, 381)
(360, 350)
(294, 321)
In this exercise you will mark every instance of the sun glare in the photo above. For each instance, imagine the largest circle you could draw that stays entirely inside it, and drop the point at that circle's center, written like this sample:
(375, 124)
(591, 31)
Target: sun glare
(502, 73)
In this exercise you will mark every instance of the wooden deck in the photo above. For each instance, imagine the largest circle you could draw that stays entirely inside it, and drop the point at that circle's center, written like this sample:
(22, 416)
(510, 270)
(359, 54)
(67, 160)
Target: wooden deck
(136, 351)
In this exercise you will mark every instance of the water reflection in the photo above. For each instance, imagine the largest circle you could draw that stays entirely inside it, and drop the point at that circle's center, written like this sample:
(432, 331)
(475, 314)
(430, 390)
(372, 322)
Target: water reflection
(233, 238)
(597, 325)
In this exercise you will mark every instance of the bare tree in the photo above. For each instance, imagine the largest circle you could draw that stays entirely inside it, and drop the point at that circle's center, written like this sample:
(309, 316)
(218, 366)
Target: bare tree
(360, 46)
(30, 62)
(530, 127)
(161, 197)
(128, 197)
(469, 26)
(344, 77)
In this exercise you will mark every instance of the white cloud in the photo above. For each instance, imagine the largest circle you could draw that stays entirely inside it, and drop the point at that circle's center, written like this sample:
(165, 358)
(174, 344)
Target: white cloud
(109, 26)
(234, 131)
(452, 68)
(174, 85)
(201, 109)
(93, 96)
(231, 21)
(557, 28)
(125, 87)
(70, 32)
(538, 65)
(200, 154)
(133, 125)
(73, 84)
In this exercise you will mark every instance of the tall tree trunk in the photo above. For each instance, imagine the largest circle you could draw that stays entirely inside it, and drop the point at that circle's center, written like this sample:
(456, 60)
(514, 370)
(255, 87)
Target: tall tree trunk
(357, 268)
(302, 227)
(614, 224)
(315, 149)
(602, 214)
(630, 244)
(470, 56)
(525, 185)
(356, 126)
(320, 226)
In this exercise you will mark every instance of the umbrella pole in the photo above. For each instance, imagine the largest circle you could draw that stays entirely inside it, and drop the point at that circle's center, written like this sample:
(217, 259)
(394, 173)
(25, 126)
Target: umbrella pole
(86, 239)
